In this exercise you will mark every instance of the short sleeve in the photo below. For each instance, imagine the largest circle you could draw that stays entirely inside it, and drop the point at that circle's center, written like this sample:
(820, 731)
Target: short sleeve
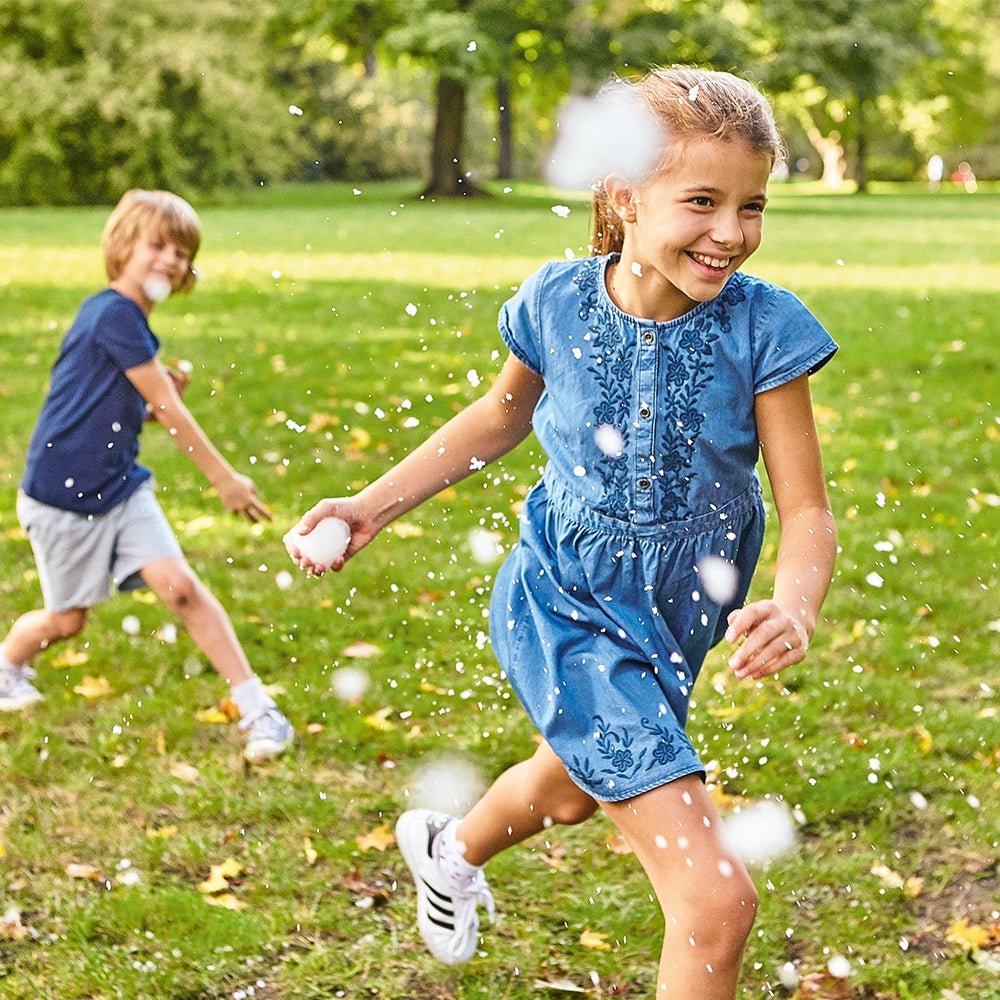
(519, 322)
(788, 341)
(122, 331)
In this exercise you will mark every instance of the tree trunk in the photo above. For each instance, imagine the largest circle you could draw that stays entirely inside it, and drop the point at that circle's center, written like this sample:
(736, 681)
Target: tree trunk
(447, 174)
(861, 151)
(505, 140)
(829, 147)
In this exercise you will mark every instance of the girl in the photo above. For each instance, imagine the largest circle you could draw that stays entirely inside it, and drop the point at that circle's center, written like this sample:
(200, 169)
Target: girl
(88, 507)
(652, 374)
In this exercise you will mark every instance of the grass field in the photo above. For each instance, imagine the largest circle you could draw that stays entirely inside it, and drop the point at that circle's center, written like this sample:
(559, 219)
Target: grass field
(332, 330)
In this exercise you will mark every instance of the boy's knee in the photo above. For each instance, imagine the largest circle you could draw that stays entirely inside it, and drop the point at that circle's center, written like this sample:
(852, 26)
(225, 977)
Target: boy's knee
(66, 624)
(179, 588)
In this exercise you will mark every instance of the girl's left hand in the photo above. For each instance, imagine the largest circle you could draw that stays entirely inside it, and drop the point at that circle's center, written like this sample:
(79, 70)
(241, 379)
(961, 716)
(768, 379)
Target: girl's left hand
(772, 639)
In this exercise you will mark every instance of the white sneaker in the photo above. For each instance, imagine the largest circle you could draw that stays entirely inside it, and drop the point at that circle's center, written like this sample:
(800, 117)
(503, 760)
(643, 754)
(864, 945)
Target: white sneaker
(268, 735)
(16, 691)
(446, 916)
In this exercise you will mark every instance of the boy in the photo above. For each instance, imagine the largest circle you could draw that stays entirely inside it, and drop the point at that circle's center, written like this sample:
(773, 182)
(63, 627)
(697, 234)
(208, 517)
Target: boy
(86, 505)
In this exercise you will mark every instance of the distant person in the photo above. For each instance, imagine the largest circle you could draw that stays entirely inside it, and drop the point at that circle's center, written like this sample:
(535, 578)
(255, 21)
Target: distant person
(935, 172)
(87, 506)
(653, 373)
(963, 175)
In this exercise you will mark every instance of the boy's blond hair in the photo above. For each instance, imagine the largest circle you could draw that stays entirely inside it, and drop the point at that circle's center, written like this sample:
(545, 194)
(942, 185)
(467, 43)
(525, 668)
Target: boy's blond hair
(151, 215)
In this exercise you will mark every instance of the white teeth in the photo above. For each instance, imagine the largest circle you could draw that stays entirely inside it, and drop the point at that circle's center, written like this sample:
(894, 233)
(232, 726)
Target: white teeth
(718, 262)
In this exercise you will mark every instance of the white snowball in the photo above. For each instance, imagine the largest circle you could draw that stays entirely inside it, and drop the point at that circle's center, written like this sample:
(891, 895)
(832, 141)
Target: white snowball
(449, 784)
(610, 441)
(325, 543)
(839, 967)
(350, 684)
(761, 832)
(612, 133)
(719, 578)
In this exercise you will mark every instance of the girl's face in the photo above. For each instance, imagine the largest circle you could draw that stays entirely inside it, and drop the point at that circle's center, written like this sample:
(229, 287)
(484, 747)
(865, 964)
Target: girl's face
(691, 226)
(154, 270)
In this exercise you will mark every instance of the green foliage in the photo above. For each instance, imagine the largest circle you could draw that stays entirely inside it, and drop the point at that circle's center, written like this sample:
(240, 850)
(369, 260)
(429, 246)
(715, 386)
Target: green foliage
(102, 96)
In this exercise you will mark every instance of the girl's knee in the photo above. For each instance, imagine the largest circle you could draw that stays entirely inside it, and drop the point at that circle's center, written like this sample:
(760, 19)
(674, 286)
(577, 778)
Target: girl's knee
(569, 809)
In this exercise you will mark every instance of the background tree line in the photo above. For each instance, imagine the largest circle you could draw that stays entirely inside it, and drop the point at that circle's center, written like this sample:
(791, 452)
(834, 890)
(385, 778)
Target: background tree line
(201, 95)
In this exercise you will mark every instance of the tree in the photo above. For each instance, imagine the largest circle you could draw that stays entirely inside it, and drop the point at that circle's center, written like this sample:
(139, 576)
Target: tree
(837, 59)
(103, 96)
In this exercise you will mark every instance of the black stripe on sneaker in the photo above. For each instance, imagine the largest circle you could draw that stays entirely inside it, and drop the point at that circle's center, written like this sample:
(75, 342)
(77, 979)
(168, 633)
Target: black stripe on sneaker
(441, 923)
(438, 893)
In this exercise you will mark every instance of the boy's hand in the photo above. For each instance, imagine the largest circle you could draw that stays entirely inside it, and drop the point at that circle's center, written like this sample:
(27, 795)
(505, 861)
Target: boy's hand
(179, 377)
(353, 510)
(772, 639)
(239, 495)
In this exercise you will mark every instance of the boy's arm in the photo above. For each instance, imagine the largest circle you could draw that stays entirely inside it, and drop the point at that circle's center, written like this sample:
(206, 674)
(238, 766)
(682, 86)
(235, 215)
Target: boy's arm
(237, 493)
(777, 632)
(486, 429)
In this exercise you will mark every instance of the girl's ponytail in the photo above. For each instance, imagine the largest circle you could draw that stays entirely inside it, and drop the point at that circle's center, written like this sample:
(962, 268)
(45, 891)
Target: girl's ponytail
(608, 234)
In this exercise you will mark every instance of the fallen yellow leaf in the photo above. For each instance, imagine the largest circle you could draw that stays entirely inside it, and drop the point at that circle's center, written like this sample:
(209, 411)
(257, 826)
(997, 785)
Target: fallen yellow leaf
(594, 941)
(887, 876)
(378, 840)
(967, 937)
(185, 772)
(913, 886)
(230, 868)
(163, 832)
(212, 716)
(219, 876)
(227, 901)
(926, 740)
(93, 688)
(69, 657)
(309, 851)
(380, 720)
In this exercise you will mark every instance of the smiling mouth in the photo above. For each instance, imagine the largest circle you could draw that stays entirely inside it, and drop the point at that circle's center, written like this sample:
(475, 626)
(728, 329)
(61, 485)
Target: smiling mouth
(716, 263)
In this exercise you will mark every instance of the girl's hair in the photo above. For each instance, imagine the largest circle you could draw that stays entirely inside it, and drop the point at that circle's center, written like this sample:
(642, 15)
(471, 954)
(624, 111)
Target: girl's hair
(150, 215)
(689, 103)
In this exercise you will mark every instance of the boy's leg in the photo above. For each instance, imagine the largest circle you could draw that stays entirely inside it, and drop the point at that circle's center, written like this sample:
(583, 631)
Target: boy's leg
(176, 584)
(708, 900)
(30, 634)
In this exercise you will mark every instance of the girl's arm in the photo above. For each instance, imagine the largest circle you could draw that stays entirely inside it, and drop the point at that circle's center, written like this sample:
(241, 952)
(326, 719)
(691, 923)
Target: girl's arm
(486, 429)
(236, 492)
(776, 633)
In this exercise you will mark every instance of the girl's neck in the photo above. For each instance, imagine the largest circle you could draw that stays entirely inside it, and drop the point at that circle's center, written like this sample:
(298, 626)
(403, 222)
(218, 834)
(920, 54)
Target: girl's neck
(644, 293)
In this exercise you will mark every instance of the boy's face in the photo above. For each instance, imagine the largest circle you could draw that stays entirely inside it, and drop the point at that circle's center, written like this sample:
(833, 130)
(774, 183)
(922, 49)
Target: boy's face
(154, 270)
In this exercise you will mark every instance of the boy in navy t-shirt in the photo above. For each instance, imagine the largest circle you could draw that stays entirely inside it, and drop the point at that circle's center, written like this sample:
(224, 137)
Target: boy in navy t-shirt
(87, 506)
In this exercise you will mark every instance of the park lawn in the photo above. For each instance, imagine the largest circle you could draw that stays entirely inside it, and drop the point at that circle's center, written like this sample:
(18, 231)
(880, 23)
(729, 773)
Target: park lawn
(333, 329)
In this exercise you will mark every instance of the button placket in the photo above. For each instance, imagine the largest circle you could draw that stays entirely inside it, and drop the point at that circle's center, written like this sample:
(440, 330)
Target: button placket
(644, 431)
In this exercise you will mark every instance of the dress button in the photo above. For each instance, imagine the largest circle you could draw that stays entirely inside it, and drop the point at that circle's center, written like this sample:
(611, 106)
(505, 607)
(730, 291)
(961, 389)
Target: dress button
(644, 483)
(648, 337)
(644, 411)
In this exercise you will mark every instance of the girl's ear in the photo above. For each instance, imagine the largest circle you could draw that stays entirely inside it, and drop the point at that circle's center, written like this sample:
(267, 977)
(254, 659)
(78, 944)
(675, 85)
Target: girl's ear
(621, 197)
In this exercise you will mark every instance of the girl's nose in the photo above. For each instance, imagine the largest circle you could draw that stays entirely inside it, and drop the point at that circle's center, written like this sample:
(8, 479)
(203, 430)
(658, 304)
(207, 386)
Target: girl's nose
(727, 231)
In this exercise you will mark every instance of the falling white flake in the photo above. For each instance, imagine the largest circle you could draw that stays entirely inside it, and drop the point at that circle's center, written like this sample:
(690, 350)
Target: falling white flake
(561, 210)
(874, 579)
(294, 109)
(788, 976)
(131, 625)
(167, 633)
(411, 309)
(839, 967)
(471, 47)
(636, 268)
(485, 545)
(284, 579)
(473, 376)
(693, 92)
(69, 483)
(761, 832)
(609, 440)
(579, 470)
(719, 578)
(918, 801)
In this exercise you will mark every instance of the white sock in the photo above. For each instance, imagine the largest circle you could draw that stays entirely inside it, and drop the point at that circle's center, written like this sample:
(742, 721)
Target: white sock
(5, 664)
(451, 857)
(251, 699)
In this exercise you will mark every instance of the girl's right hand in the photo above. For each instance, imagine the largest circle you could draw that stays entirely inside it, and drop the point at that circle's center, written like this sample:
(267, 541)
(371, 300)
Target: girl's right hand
(361, 522)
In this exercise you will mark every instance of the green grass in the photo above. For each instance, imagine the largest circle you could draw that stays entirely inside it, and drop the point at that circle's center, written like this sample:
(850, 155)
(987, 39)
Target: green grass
(309, 374)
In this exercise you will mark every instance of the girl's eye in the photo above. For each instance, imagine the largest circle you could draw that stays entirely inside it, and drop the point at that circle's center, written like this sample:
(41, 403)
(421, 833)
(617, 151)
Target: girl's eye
(703, 201)
(754, 206)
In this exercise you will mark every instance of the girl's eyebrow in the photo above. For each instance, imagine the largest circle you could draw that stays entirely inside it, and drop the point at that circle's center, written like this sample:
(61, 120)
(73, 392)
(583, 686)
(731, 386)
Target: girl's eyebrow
(696, 189)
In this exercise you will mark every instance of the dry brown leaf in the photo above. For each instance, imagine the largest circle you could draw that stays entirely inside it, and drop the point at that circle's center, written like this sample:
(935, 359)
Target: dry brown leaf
(309, 851)
(184, 772)
(11, 928)
(377, 840)
(617, 844)
(361, 651)
(76, 870)
(823, 986)
(594, 940)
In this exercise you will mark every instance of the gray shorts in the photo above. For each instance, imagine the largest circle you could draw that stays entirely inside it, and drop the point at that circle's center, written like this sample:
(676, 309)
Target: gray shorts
(80, 557)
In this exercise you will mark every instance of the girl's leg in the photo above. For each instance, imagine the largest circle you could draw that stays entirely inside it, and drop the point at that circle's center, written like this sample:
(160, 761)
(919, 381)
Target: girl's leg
(36, 630)
(524, 800)
(708, 900)
(176, 584)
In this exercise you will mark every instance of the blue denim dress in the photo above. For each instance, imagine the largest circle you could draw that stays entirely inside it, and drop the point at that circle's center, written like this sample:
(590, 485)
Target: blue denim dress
(599, 616)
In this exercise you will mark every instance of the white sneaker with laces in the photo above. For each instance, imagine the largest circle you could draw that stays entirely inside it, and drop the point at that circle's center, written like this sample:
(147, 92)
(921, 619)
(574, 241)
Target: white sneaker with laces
(268, 735)
(446, 915)
(16, 690)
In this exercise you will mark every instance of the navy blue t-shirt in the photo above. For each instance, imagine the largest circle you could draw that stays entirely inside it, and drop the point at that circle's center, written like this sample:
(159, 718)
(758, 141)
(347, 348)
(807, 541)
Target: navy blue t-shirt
(82, 455)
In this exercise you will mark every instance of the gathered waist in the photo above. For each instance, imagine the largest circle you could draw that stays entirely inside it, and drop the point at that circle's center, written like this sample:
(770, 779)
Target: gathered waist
(586, 515)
